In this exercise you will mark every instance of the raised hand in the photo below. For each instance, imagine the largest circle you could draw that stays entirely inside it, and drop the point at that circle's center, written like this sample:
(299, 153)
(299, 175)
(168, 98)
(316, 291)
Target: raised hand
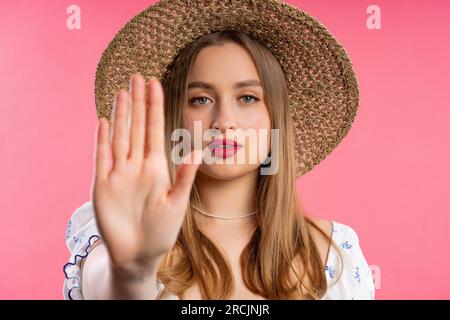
(138, 211)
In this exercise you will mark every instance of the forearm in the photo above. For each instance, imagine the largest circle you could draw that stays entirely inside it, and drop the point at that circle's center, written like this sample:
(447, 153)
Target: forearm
(100, 280)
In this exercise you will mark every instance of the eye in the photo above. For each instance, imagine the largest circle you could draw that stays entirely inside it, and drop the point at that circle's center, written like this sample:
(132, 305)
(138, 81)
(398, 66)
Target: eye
(198, 98)
(253, 97)
(202, 98)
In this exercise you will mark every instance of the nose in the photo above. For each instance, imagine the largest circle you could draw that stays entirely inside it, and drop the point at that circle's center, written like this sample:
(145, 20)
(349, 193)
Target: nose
(225, 118)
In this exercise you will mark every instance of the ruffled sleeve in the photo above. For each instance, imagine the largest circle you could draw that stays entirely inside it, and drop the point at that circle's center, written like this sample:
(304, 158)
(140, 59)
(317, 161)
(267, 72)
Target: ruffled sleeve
(356, 281)
(81, 234)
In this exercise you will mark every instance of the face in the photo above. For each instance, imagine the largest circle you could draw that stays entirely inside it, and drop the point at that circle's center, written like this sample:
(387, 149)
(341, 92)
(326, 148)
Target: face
(224, 107)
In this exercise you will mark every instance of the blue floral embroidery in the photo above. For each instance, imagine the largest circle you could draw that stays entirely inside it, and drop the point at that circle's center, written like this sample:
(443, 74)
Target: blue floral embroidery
(330, 271)
(76, 239)
(68, 229)
(357, 275)
(346, 245)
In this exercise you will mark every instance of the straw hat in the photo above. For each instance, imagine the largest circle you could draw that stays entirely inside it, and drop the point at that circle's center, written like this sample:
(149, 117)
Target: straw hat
(323, 89)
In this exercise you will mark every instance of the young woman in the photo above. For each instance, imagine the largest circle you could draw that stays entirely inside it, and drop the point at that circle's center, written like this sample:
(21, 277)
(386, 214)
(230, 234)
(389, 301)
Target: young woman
(209, 231)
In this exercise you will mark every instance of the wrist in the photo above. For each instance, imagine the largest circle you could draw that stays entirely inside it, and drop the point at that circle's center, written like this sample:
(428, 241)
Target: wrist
(133, 272)
(132, 282)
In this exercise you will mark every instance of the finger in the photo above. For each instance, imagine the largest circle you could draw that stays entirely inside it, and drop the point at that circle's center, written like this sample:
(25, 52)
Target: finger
(185, 177)
(137, 116)
(155, 142)
(102, 153)
(120, 140)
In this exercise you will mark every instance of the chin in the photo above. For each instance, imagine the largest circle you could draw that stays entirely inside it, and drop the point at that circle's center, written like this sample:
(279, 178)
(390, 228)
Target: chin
(227, 171)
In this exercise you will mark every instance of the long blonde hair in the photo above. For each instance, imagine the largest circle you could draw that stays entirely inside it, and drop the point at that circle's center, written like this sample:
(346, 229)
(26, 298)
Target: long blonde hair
(283, 235)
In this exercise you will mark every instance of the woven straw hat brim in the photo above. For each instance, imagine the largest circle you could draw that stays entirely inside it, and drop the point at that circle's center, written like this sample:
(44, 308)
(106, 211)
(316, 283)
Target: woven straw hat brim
(323, 89)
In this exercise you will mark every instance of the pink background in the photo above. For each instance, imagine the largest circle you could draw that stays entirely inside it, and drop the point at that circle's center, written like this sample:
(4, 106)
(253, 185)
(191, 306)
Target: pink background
(389, 179)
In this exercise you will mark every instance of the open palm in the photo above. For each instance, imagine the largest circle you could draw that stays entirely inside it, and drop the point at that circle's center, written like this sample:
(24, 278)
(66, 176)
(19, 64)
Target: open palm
(139, 212)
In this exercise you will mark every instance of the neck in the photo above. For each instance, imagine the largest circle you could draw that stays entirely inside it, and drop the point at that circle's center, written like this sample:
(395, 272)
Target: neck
(227, 198)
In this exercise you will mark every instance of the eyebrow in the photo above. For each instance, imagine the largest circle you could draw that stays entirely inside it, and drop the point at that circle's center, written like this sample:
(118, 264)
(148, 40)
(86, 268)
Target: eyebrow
(204, 85)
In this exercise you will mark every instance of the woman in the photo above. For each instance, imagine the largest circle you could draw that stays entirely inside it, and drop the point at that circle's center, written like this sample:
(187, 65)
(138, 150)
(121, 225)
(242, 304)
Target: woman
(206, 231)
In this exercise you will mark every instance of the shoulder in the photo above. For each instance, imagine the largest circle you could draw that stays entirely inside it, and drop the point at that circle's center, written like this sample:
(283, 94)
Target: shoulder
(81, 223)
(82, 235)
(322, 242)
(83, 213)
(347, 270)
(325, 225)
(343, 231)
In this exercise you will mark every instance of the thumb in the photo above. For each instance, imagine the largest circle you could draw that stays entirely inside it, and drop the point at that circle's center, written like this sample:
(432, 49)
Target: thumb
(185, 176)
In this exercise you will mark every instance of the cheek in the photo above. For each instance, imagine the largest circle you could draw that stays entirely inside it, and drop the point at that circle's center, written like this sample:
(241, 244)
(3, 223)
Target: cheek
(258, 120)
(265, 122)
(203, 122)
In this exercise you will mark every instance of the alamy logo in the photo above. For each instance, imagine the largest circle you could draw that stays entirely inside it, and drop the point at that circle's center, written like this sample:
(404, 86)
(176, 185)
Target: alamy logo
(231, 148)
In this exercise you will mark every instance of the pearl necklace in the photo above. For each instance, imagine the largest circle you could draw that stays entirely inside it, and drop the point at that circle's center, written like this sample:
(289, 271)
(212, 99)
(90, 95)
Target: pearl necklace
(221, 217)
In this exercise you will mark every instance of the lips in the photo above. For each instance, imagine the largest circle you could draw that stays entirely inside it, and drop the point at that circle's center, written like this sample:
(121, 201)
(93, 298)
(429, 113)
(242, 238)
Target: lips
(224, 148)
(224, 143)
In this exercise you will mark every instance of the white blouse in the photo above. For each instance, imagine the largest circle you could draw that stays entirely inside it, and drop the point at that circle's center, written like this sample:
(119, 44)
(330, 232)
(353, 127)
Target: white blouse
(356, 281)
